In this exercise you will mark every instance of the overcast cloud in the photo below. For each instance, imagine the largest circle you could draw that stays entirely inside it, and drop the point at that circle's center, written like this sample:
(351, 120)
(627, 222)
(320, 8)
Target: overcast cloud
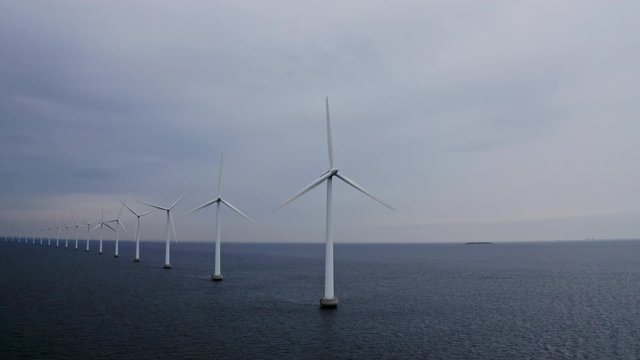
(477, 120)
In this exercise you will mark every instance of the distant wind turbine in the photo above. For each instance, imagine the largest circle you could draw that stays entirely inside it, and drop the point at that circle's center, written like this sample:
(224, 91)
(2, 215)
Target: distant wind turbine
(88, 225)
(138, 216)
(66, 234)
(167, 248)
(118, 225)
(76, 226)
(330, 300)
(100, 225)
(58, 236)
(217, 275)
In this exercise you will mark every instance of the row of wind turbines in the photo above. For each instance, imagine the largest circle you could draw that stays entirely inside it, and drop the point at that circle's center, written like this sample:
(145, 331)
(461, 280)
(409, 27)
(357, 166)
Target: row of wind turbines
(329, 300)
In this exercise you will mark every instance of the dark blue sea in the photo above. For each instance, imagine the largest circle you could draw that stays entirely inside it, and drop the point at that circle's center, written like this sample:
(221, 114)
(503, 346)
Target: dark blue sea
(547, 300)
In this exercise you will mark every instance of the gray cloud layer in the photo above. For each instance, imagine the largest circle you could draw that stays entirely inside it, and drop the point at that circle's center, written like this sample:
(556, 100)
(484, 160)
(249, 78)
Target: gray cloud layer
(477, 120)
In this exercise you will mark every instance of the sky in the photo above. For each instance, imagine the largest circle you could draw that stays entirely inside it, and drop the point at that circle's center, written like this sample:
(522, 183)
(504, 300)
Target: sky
(476, 120)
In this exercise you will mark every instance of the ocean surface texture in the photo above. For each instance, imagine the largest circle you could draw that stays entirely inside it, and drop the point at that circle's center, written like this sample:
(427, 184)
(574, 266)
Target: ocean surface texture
(502, 301)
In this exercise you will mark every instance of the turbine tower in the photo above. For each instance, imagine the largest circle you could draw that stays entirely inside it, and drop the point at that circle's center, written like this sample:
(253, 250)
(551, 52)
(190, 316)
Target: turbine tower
(217, 275)
(137, 257)
(330, 300)
(167, 247)
(118, 225)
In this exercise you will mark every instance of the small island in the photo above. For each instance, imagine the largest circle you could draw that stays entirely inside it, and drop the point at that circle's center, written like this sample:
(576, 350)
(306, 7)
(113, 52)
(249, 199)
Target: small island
(478, 243)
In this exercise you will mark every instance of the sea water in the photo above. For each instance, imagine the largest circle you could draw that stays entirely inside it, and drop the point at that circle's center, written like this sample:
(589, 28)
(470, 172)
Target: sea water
(546, 300)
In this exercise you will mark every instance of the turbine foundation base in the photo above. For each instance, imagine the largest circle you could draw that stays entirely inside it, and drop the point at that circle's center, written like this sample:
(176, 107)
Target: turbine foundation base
(116, 255)
(99, 252)
(136, 260)
(329, 303)
(167, 266)
(215, 277)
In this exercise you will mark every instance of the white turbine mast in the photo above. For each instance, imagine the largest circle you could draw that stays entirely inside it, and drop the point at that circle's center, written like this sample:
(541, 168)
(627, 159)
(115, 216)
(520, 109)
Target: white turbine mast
(137, 239)
(167, 248)
(217, 275)
(330, 300)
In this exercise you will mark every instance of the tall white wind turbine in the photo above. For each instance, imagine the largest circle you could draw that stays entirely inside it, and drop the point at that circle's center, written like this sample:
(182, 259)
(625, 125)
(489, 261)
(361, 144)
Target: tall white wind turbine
(330, 300)
(138, 216)
(118, 225)
(217, 275)
(167, 248)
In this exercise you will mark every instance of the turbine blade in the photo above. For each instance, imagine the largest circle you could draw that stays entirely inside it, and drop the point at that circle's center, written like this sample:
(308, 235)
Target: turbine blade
(133, 212)
(175, 203)
(220, 175)
(152, 205)
(120, 212)
(74, 220)
(173, 228)
(238, 211)
(109, 226)
(145, 213)
(95, 227)
(208, 203)
(306, 189)
(329, 139)
(123, 228)
(359, 188)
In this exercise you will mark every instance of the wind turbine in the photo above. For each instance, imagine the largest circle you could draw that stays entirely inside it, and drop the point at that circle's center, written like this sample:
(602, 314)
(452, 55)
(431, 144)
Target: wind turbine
(75, 226)
(88, 225)
(137, 257)
(49, 233)
(167, 258)
(66, 234)
(217, 275)
(330, 300)
(118, 225)
(100, 225)
(58, 236)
